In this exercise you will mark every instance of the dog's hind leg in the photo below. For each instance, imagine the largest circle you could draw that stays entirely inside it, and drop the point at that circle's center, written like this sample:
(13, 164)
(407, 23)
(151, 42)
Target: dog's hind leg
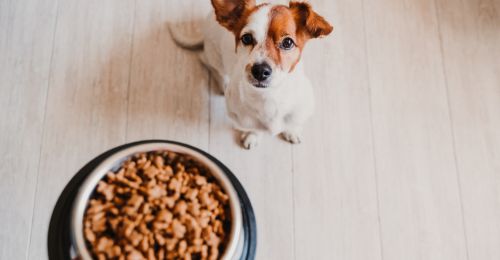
(221, 80)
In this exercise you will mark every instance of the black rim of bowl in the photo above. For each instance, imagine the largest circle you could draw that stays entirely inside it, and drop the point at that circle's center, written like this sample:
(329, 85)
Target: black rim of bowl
(59, 242)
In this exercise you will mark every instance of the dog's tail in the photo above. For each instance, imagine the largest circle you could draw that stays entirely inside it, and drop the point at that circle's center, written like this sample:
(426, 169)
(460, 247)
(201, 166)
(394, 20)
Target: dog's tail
(192, 43)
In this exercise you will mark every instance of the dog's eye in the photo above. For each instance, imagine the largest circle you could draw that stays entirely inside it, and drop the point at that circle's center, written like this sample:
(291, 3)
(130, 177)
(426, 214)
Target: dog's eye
(247, 39)
(287, 44)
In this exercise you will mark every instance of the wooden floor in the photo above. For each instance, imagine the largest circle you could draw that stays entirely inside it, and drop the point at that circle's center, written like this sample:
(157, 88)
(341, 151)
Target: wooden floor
(400, 161)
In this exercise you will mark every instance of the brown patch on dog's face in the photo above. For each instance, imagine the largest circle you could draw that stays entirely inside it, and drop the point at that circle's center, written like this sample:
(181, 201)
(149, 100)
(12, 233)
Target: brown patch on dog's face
(243, 22)
(297, 23)
(282, 26)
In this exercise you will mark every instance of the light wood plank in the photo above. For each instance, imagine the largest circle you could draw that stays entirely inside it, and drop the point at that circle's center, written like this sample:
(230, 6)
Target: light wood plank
(470, 32)
(25, 51)
(335, 193)
(169, 87)
(419, 197)
(87, 101)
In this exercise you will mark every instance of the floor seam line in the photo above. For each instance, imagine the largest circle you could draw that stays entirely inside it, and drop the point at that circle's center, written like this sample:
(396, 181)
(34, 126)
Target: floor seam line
(372, 130)
(293, 203)
(131, 59)
(209, 76)
(452, 130)
(42, 134)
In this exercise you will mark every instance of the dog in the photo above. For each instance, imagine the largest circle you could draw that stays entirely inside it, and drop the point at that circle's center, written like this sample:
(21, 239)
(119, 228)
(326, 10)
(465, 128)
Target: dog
(254, 53)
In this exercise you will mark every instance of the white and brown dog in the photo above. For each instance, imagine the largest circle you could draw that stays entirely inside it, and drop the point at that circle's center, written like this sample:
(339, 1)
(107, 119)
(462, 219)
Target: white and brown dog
(257, 64)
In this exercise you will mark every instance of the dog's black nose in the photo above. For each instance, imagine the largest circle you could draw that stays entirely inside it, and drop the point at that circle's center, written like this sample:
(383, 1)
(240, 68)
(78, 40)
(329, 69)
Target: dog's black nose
(261, 71)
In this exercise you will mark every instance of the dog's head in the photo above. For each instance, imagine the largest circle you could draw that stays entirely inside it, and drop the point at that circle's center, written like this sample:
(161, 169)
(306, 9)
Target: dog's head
(269, 38)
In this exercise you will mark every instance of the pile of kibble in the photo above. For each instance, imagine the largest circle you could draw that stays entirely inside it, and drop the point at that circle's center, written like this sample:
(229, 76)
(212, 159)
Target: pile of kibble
(158, 205)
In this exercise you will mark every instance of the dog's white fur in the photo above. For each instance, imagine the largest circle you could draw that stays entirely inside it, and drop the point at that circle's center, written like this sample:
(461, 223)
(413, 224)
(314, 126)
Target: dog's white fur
(281, 108)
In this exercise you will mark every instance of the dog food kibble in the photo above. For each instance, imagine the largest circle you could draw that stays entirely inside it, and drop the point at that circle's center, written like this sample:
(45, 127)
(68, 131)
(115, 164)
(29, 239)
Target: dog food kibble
(158, 205)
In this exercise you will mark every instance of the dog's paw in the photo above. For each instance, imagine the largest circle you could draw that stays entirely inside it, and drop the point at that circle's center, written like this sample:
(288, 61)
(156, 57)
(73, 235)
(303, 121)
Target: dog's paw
(249, 140)
(292, 137)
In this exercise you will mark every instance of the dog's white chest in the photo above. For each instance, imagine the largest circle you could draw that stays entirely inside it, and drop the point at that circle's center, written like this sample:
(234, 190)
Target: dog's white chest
(255, 112)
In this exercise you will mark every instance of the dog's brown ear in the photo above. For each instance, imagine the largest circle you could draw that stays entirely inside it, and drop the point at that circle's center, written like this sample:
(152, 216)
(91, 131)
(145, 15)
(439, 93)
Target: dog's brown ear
(229, 13)
(312, 24)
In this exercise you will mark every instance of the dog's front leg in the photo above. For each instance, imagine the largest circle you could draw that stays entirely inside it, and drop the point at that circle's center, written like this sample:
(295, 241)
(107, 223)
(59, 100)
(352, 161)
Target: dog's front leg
(250, 139)
(293, 127)
(293, 135)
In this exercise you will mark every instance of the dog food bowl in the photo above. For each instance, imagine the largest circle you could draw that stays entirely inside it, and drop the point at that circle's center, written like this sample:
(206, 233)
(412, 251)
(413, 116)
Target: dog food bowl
(66, 239)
